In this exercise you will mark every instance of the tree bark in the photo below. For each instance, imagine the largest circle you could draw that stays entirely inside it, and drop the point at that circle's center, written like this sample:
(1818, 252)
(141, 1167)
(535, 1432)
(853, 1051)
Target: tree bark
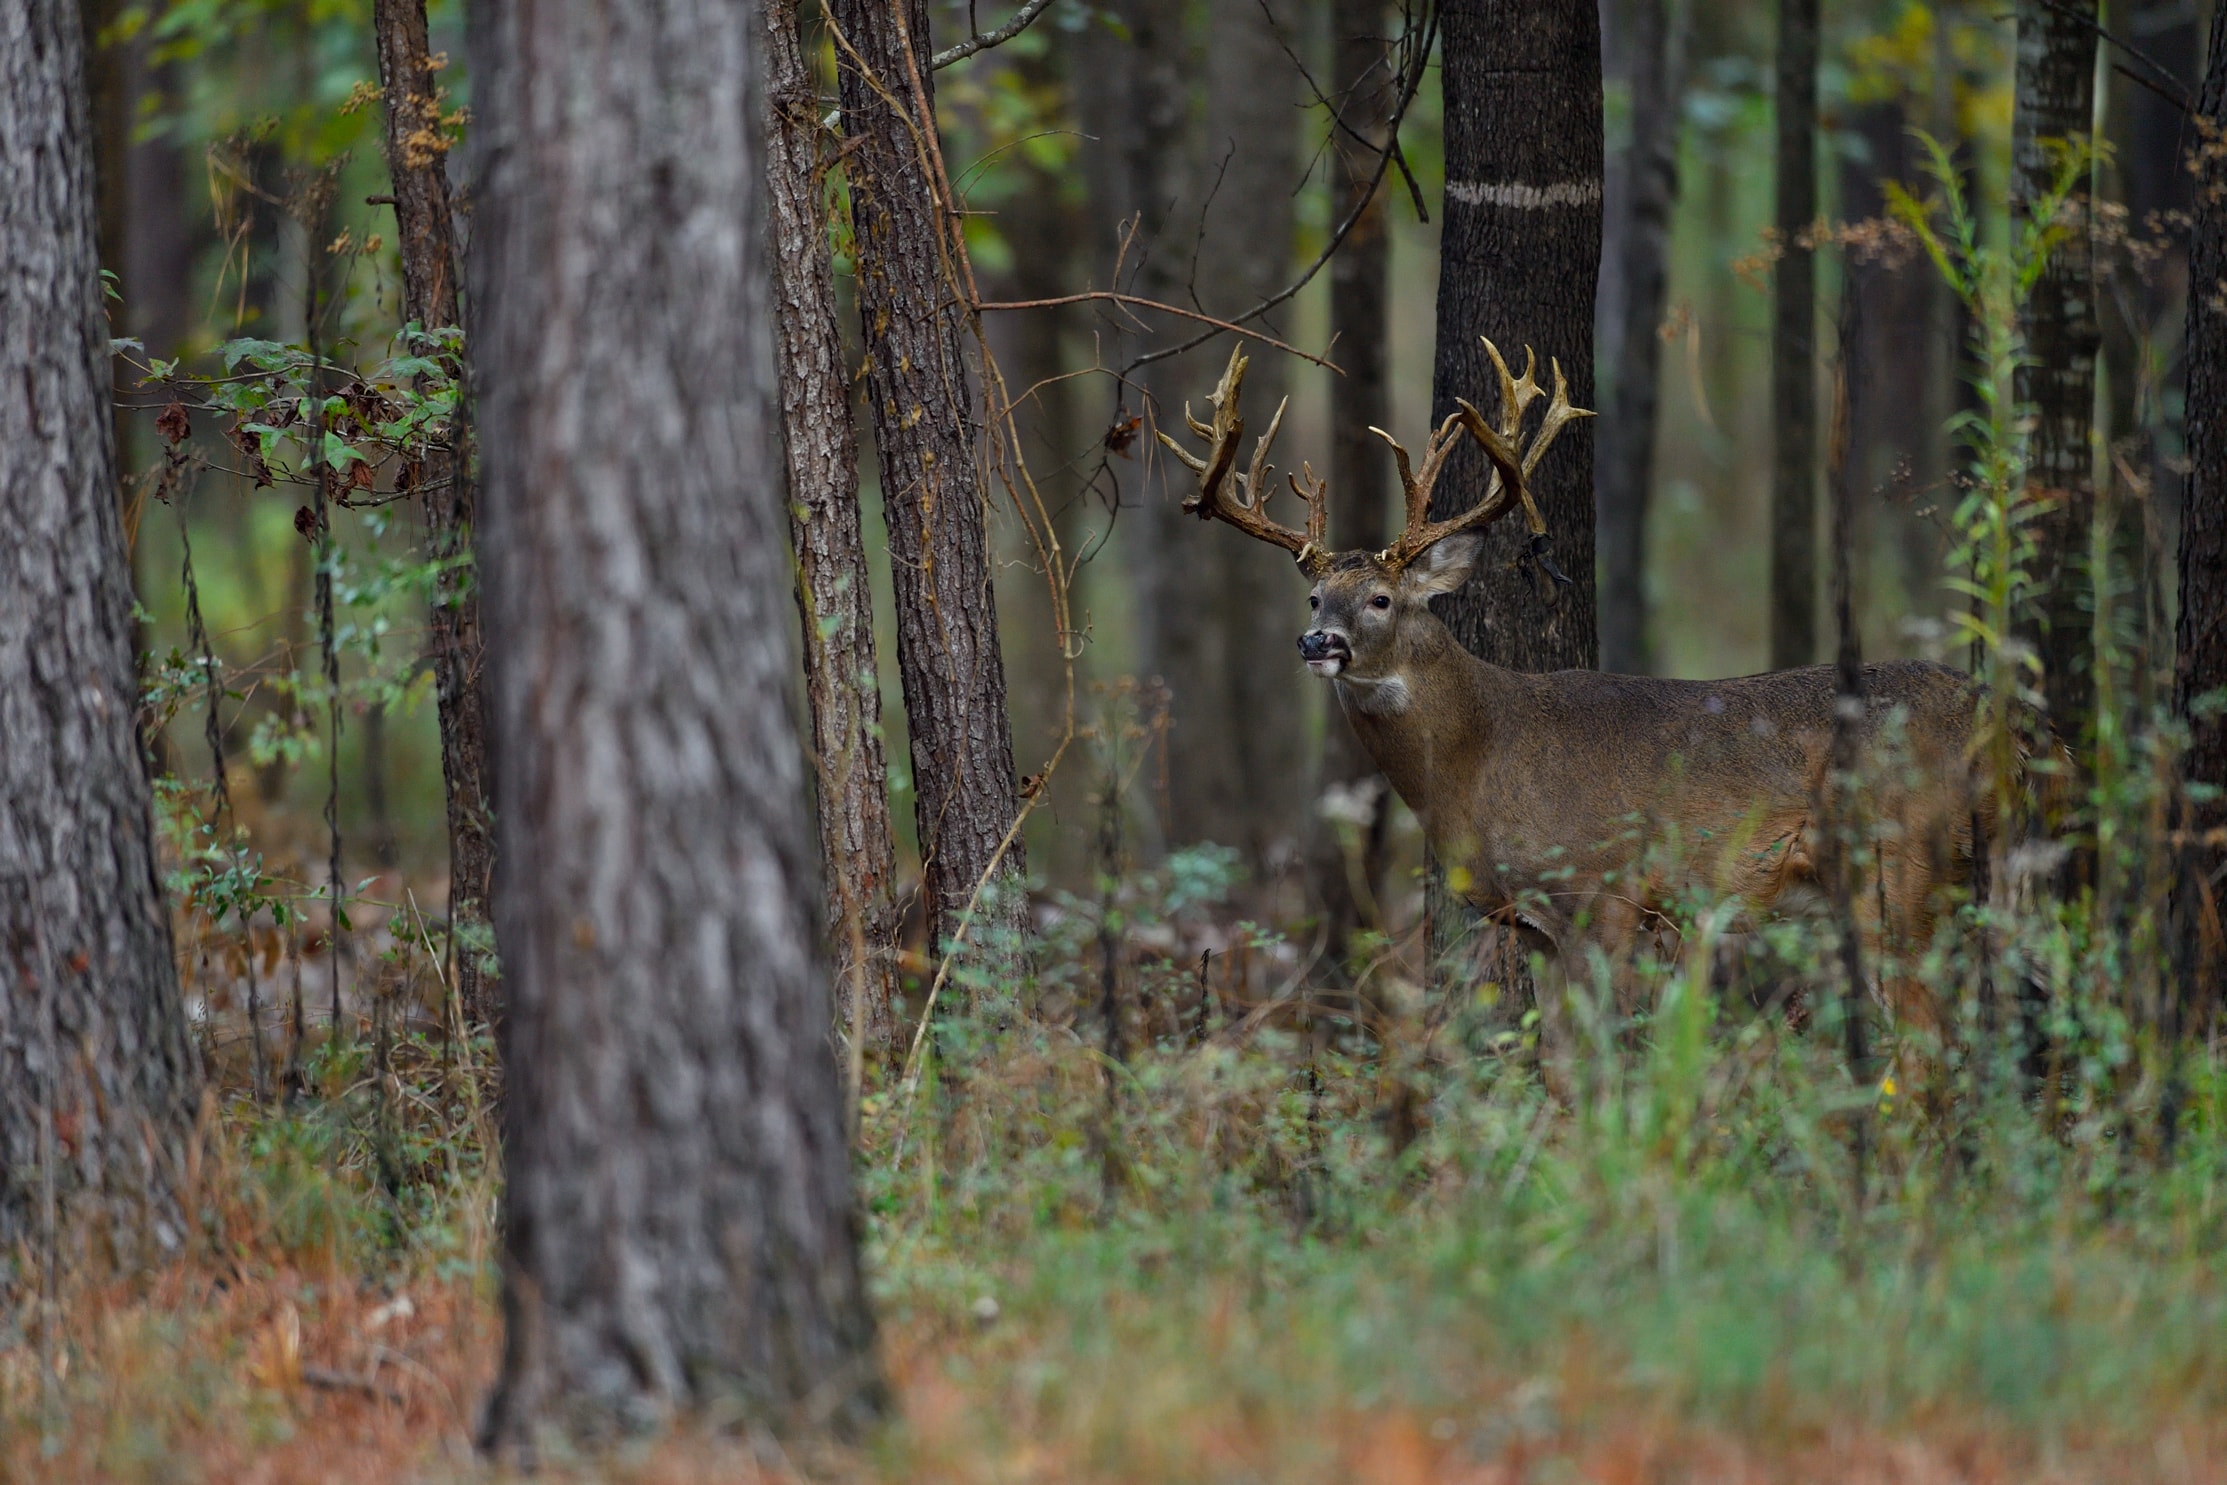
(2200, 668)
(98, 1079)
(417, 148)
(1520, 256)
(2055, 100)
(1519, 251)
(1655, 47)
(678, 1226)
(1348, 862)
(1794, 346)
(841, 677)
(965, 797)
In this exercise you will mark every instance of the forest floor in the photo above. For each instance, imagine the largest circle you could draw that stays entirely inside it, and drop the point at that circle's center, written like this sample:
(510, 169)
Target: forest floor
(1260, 1244)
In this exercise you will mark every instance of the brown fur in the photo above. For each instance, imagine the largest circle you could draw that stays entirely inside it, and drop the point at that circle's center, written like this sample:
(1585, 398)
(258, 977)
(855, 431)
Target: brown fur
(1541, 793)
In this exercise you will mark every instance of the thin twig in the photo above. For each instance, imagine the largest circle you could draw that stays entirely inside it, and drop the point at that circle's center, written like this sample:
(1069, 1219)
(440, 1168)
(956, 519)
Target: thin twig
(983, 41)
(1140, 302)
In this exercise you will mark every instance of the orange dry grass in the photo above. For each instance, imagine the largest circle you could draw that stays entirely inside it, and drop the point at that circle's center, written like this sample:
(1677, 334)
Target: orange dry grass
(286, 1378)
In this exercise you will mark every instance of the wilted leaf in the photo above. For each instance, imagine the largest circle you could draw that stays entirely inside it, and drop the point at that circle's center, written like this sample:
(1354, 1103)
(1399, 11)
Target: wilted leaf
(1122, 435)
(173, 424)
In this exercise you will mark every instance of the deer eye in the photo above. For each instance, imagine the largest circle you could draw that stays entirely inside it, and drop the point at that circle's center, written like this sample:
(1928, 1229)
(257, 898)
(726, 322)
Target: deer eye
(1382, 600)
(1314, 600)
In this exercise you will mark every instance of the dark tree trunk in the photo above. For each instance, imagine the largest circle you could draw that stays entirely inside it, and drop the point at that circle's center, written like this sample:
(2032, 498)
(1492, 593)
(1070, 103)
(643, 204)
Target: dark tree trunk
(841, 678)
(2055, 101)
(1519, 261)
(416, 151)
(948, 657)
(1519, 258)
(1348, 858)
(2201, 662)
(1654, 45)
(98, 1082)
(1794, 346)
(679, 1227)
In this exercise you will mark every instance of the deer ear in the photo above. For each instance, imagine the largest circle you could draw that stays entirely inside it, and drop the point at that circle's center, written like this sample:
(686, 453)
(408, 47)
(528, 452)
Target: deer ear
(1445, 566)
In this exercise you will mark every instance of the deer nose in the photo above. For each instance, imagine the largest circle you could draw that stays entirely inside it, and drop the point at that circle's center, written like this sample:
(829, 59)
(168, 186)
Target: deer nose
(1322, 644)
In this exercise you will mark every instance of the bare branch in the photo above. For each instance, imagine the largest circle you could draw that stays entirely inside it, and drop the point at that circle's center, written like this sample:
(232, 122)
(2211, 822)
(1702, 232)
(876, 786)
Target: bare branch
(983, 41)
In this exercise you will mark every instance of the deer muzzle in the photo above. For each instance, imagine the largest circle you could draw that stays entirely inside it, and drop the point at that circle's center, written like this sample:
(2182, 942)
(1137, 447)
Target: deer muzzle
(1325, 651)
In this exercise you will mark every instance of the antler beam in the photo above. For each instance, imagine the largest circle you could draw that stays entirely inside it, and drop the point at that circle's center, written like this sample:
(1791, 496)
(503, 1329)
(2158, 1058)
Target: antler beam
(1247, 507)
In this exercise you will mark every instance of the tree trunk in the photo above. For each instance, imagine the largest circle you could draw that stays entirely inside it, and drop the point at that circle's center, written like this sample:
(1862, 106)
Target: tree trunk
(1519, 258)
(1655, 47)
(841, 677)
(1519, 261)
(1347, 853)
(2201, 661)
(2056, 101)
(1794, 346)
(98, 1081)
(964, 798)
(416, 150)
(678, 1227)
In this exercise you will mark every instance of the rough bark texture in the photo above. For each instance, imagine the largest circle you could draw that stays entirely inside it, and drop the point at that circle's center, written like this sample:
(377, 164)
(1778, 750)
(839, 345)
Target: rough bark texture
(948, 656)
(1217, 611)
(1794, 346)
(678, 1227)
(417, 150)
(1348, 858)
(842, 682)
(1519, 261)
(1519, 258)
(1654, 47)
(2056, 101)
(2201, 661)
(98, 1083)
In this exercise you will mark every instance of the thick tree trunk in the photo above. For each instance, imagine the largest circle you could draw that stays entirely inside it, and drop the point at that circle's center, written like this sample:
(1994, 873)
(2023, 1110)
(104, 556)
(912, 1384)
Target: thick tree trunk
(2056, 101)
(1794, 346)
(98, 1082)
(841, 678)
(965, 796)
(1655, 49)
(1519, 259)
(416, 151)
(2201, 662)
(678, 1227)
(1347, 856)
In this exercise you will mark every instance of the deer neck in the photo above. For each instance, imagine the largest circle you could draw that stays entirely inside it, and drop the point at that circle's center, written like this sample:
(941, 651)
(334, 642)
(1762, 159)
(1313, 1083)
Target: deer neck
(1429, 722)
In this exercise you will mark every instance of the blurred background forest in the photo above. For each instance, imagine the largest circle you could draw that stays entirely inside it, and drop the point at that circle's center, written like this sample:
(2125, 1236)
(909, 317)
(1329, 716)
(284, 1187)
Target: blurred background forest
(1184, 151)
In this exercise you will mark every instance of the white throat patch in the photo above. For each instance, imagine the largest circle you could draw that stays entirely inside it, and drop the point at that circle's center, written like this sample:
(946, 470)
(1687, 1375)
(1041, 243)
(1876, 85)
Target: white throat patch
(1385, 696)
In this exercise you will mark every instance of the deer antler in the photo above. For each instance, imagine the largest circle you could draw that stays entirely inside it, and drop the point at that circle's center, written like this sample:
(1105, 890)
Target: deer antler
(1247, 509)
(1512, 461)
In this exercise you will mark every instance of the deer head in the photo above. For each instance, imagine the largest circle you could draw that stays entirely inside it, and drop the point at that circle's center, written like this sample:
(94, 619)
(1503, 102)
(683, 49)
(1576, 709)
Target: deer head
(1360, 599)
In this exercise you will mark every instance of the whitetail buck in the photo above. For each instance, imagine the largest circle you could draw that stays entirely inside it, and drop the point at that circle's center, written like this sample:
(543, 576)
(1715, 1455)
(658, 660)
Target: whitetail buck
(1574, 805)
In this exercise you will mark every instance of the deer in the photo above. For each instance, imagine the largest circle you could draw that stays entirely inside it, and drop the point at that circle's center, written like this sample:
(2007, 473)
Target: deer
(1541, 795)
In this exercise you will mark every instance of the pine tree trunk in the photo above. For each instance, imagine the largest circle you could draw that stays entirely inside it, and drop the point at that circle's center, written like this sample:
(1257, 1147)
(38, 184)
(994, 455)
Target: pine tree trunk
(1519, 258)
(841, 678)
(1794, 346)
(2201, 662)
(98, 1079)
(1347, 858)
(678, 1228)
(1519, 261)
(2056, 101)
(1655, 46)
(965, 797)
(416, 151)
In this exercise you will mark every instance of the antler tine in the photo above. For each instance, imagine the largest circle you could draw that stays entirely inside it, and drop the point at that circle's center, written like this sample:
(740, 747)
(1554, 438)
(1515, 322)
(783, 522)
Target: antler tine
(1516, 393)
(1246, 513)
(1315, 493)
(1559, 415)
